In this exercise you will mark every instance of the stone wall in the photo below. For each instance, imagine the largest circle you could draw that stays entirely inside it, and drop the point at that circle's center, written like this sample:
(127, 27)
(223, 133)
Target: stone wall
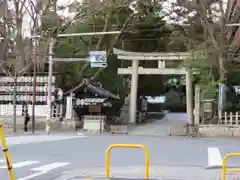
(219, 130)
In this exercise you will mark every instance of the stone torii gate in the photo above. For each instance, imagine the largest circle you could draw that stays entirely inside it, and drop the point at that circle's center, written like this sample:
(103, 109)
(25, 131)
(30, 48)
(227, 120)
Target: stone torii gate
(135, 70)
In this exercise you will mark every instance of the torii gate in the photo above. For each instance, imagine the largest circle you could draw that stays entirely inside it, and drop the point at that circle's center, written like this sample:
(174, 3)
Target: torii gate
(135, 57)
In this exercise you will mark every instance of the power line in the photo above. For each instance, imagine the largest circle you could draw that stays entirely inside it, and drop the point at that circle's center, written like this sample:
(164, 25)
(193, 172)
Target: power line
(75, 34)
(232, 25)
(80, 34)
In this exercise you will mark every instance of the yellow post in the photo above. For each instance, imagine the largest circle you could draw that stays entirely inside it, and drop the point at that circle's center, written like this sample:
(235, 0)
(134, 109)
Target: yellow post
(7, 158)
(107, 160)
(224, 165)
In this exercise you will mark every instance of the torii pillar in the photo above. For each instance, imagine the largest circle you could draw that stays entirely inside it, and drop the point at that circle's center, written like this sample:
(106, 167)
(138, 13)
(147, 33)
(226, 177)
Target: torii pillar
(134, 91)
(189, 97)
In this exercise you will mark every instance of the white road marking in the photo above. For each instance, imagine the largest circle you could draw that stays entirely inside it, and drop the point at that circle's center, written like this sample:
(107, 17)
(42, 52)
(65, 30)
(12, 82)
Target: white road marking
(214, 158)
(41, 170)
(21, 164)
(32, 176)
(49, 167)
(38, 139)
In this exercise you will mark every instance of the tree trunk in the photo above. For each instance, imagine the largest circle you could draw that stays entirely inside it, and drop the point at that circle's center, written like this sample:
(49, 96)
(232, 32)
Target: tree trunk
(14, 100)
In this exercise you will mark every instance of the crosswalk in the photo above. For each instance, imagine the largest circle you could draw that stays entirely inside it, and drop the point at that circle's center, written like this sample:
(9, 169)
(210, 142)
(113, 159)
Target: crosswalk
(38, 139)
(35, 169)
(30, 169)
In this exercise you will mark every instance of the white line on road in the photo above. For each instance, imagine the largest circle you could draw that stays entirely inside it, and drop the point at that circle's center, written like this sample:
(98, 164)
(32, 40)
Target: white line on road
(32, 176)
(214, 158)
(43, 170)
(21, 164)
(39, 139)
(49, 167)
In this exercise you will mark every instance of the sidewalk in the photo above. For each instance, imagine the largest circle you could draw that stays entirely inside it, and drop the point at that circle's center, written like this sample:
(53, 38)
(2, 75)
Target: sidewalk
(8, 122)
(40, 123)
(135, 172)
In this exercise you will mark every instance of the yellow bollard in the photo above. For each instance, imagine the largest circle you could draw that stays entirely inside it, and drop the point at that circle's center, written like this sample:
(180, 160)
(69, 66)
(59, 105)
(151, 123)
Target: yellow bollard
(107, 160)
(225, 170)
(7, 158)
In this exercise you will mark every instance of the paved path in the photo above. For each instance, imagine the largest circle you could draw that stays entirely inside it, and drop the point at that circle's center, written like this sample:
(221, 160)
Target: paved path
(69, 157)
(161, 127)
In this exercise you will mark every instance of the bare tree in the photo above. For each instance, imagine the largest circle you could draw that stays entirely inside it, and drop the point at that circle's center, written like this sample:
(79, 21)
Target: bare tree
(17, 58)
(16, 50)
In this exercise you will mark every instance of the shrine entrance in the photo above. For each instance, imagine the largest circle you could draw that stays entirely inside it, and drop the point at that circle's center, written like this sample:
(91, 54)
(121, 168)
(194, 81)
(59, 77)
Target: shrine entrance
(162, 69)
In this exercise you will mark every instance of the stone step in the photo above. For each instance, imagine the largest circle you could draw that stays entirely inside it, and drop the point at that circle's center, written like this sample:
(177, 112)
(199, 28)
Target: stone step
(183, 131)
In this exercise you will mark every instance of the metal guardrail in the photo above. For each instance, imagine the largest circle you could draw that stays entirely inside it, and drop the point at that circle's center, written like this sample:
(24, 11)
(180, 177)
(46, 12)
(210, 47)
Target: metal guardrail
(6, 154)
(138, 146)
(226, 170)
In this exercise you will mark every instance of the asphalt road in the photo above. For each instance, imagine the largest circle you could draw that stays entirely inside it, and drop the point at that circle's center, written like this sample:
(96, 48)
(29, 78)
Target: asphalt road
(78, 157)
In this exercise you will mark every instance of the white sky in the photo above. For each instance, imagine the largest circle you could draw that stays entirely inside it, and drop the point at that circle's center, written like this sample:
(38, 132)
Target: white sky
(27, 19)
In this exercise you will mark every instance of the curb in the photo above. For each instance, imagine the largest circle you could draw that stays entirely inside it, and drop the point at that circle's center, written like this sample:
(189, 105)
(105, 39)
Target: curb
(234, 166)
(11, 134)
(213, 167)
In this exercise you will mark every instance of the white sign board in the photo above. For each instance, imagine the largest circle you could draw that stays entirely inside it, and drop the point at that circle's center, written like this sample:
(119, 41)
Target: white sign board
(7, 110)
(98, 59)
(221, 95)
(156, 99)
(40, 110)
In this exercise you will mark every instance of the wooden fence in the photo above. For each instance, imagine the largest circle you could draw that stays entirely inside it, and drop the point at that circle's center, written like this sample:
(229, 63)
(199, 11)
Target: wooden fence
(231, 118)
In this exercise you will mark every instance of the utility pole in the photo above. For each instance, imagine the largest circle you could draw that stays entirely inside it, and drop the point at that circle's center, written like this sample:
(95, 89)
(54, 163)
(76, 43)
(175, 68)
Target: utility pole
(34, 84)
(49, 99)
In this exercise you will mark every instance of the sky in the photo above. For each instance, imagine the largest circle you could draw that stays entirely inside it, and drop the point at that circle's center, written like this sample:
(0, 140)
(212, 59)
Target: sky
(27, 19)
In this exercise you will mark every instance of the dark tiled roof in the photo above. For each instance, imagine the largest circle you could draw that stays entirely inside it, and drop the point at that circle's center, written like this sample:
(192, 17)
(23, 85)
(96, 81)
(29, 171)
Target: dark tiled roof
(101, 91)
(95, 89)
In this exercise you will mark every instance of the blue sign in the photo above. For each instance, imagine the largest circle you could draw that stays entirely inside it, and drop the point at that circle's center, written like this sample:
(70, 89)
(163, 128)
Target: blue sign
(221, 95)
(98, 59)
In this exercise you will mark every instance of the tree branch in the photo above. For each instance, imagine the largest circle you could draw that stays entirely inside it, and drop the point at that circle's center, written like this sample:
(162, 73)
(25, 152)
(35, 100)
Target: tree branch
(117, 38)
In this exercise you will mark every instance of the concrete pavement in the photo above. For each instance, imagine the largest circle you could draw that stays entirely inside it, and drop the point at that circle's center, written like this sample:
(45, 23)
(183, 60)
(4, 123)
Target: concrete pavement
(65, 157)
(161, 126)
